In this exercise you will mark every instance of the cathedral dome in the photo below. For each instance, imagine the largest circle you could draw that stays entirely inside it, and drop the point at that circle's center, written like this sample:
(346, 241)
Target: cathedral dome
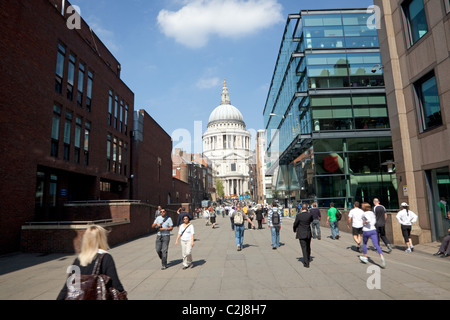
(226, 112)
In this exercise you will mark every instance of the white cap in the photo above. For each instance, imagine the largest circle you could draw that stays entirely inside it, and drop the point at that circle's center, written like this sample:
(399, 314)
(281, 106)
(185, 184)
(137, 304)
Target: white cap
(404, 204)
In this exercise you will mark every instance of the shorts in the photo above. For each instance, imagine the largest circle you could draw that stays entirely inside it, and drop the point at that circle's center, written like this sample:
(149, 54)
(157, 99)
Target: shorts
(213, 219)
(406, 232)
(357, 231)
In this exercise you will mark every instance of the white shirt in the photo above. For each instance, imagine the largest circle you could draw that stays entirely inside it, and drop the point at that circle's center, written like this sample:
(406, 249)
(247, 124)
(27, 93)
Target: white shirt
(187, 235)
(406, 218)
(369, 218)
(356, 215)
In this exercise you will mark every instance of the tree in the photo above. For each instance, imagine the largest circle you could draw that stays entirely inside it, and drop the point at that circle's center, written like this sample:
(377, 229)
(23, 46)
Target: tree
(219, 188)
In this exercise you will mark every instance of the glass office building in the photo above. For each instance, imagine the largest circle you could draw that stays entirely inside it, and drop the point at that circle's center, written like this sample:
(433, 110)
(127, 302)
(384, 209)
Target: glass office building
(326, 119)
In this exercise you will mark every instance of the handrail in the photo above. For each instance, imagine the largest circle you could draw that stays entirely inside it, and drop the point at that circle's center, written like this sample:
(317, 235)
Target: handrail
(75, 222)
(102, 201)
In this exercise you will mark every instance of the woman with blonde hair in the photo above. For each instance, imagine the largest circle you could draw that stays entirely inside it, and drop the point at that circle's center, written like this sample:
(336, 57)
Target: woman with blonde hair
(370, 231)
(93, 244)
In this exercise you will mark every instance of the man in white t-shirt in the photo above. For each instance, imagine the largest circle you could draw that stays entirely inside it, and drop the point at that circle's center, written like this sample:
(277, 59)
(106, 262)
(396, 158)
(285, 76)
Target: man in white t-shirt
(355, 219)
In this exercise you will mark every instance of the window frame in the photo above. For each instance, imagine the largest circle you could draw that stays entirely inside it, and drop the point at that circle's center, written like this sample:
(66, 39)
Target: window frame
(407, 22)
(419, 102)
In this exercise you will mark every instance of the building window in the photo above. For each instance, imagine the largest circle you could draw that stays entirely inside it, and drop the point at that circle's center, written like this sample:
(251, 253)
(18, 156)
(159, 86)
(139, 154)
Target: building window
(108, 153)
(415, 18)
(67, 131)
(116, 107)
(125, 158)
(105, 186)
(80, 85)
(126, 119)
(60, 68)
(447, 6)
(87, 132)
(121, 116)
(120, 157)
(77, 142)
(55, 131)
(90, 82)
(114, 155)
(233, 167)
(70, 77)
(110, 106)
(427, 99)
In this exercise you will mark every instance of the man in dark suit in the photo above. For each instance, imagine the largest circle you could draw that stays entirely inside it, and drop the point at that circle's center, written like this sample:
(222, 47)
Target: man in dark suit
(302, 226)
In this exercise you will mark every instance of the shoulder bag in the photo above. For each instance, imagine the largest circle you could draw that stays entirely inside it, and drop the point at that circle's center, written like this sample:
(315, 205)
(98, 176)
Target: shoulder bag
(95, 286)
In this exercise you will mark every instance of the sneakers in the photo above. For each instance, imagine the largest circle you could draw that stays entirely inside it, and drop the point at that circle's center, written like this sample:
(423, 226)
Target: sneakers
(383, 263)
(408, 250)
(363, 259)
(389, 248)
(239, 248)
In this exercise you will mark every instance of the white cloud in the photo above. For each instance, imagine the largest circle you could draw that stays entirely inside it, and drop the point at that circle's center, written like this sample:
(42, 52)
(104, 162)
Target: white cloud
(199, 20)
(207, 83)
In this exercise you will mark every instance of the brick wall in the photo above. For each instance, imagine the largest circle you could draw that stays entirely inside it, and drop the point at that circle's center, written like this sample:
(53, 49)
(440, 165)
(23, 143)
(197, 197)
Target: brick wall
(132, 220)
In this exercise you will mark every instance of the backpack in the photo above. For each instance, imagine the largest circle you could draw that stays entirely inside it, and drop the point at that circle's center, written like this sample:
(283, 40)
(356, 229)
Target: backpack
(338, 215)
(275, 218)
(238, 218)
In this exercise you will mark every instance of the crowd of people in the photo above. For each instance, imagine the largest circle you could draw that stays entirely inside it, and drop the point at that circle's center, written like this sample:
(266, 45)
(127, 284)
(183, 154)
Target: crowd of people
(364, 221)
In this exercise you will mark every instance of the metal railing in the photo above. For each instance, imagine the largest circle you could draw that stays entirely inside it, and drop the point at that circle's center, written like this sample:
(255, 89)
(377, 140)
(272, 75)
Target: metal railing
(58, 223)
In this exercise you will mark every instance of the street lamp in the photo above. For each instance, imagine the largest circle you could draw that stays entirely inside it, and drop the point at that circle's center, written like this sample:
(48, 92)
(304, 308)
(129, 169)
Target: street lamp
(374, 68)
(390, 166)
(276, 115)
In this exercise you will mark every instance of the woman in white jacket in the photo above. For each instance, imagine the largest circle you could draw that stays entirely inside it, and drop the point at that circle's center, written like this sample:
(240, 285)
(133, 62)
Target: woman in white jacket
(406, 218)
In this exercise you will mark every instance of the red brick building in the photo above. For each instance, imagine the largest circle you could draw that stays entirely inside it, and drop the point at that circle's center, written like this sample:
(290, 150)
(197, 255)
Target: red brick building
(152, 164)
(65, 117)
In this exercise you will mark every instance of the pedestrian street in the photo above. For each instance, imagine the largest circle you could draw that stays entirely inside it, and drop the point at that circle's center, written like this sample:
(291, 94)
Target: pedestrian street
(256, 273)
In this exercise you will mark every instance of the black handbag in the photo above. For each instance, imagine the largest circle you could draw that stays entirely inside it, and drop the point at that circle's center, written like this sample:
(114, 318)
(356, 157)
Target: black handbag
(95, 286)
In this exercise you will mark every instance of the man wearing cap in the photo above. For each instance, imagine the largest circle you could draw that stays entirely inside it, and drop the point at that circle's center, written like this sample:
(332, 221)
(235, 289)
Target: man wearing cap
(406, 218)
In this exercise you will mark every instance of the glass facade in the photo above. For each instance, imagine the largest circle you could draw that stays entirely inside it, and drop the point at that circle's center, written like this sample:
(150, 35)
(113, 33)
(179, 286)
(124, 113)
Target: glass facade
(326, 112)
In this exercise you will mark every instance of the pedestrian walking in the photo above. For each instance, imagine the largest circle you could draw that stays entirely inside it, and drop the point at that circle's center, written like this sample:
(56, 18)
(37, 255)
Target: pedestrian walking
(370, 232)
(164, 224)
(355, 220)
(94, 244)
(274, 221)
(444, 249)
(212, 217)
(406, 218)
(259, 216)
(186, 235)
(381, 217)
(158, 212)
(332, 221)
(316, 221)
(230, 215)
(239, 217)
(251, 216)
(181, 213)
(302, 228)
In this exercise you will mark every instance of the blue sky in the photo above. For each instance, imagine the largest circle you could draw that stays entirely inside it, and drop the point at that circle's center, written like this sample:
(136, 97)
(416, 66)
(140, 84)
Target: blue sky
(175, 54)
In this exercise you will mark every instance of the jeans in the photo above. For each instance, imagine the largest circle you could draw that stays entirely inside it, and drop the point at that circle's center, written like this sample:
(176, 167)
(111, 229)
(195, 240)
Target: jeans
(275, 231)
(239, 234)
(334, 229)
(315, 225)
(162, 248)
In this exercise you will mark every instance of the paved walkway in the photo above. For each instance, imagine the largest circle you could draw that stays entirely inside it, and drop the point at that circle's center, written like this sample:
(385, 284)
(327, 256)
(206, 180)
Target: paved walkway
(257, 272)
